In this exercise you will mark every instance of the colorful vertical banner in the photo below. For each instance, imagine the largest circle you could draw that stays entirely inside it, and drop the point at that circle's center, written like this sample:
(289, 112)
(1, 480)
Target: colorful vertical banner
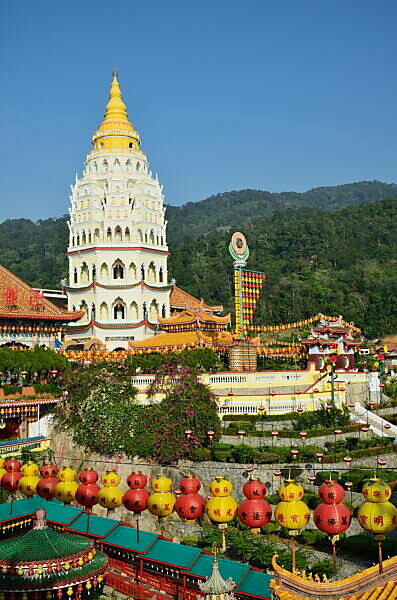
(247, 289)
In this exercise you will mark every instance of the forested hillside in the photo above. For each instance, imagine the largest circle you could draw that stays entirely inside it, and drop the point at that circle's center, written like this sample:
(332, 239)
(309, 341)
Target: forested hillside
(238, 208)
(341, 262)
(337, 261)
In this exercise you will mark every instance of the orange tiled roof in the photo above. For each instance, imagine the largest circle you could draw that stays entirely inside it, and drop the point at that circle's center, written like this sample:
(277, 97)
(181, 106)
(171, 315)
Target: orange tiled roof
(193, 316)
(179, 299)
(19, 301)
(164, 340)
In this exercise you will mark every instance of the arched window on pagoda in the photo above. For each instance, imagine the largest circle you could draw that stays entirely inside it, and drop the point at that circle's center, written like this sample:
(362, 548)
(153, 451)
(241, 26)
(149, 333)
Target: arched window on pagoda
(96, 235)
(163, 311)
(75, 276)
(128, 164)
(93, 273)
(73, 240)
(117, 163)
(145, 237)
(138, 166)
(104, 312)
(119, 310)
(162, 241)
(142, 272)
(134, 312)
(104, 272)
(109, 235)
(154, 311)
(151, 237)
(105, 164)
(140, 235)
(157, 240)
(127, 236)
(132, 272)
(161, 275)
(89, 237)
(118, 270)
(83, 238)
(151, 273)
(84, 308)
(93, 311)
(117, 234)
(78, 239)
(145, 313)
(84, 273)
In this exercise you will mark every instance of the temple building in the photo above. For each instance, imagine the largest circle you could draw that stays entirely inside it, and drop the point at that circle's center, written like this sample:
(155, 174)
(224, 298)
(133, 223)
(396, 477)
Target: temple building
(117, 245)
(27, 317)
(332, 337)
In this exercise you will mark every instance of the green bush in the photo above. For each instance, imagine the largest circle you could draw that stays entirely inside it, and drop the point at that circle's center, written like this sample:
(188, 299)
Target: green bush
(10, 390)
(47, 388)
(222, 452)
(311, 537)
(189, 541)
(270, 527)
(245, 454)
(200, 454)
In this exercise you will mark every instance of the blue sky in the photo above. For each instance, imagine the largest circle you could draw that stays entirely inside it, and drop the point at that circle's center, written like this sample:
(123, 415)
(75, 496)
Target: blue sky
(271, 94)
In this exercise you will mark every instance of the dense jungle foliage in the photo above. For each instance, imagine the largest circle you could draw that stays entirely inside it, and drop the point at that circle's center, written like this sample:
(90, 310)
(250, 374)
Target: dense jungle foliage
(318, 257)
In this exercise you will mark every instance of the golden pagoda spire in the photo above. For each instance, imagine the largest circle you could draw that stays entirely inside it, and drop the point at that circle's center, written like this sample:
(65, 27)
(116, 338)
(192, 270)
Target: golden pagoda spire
(116, 132)
(116, 110)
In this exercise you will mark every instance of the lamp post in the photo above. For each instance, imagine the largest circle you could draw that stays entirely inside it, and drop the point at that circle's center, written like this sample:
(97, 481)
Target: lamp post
(320, 456)
(274, 435)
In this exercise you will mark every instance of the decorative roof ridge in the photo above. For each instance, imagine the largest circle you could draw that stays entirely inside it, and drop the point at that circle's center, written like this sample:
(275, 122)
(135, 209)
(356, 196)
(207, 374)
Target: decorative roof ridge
(215, 584)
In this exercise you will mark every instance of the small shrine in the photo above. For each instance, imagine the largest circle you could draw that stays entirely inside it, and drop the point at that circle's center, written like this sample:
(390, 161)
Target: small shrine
(43, 563)
(332, 336)
(216, 587)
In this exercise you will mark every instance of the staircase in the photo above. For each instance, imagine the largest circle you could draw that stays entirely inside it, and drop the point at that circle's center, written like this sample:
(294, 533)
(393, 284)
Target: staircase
(359, 414)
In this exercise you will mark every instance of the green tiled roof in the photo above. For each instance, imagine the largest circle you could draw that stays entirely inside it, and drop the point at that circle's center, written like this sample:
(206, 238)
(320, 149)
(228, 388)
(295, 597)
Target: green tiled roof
(173, 554)
(126, 537)
(91, 524)
(19, 508)
(59, 513)
(50, 580)
(255, 583)
(41, 544)
(202, 567)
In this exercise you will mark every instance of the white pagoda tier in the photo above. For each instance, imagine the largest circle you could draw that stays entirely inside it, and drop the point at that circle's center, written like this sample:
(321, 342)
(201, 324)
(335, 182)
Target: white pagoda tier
(117, 238)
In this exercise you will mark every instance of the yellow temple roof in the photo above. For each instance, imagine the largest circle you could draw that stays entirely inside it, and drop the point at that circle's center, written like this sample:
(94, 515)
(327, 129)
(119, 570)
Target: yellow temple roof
(365, 585)
(182, 300)
(166, 340)
(193, 316)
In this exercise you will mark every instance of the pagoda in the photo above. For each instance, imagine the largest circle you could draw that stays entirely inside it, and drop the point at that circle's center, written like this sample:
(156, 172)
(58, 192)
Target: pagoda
(216, 587)
(117, 248)
(46, 564)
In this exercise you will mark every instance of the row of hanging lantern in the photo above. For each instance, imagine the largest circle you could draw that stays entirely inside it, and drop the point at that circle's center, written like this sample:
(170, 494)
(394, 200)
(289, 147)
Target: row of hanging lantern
(377, 514)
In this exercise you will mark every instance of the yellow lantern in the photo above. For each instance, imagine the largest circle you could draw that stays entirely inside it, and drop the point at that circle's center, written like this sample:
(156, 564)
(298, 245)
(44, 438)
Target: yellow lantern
(377, 517)
(377, 514)
(110, 479)
(291, 512)
(161, 504)
(3, 471)
(27, 484)
(67, 474)
(292, 515)
(290, 491)
(376, 490)
(221, 487)
(161, 483)
(221, 509)
(110, 497)
(65, 491)
(30, 468)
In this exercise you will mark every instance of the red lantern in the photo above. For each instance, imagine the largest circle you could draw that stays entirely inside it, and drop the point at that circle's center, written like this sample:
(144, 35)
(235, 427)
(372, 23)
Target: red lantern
(13, 465)
(254, 511)
(190, 506)
(48, 470)
(88, 476)
(331, 492)
(190, 485)
(9, 481)
(137, 480)
(46, 487)
(87, 494)
(135, 500)
(332, 518)
(254, 489)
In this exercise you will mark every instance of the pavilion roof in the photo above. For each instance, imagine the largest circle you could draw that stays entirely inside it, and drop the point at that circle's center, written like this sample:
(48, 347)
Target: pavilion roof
(176, 339)
(180, 300)
(19, 301)
(193, 316)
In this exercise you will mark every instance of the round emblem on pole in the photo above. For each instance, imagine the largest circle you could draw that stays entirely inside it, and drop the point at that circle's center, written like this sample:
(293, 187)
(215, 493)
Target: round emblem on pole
(238, 247)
